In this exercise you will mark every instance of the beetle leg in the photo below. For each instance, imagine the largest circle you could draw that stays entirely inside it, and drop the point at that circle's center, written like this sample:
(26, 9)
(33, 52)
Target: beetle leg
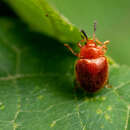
(104, 47)
(106, 42)
(66, 45)
(108, 85)
(79, 45)
(99, 42)
(82, 40)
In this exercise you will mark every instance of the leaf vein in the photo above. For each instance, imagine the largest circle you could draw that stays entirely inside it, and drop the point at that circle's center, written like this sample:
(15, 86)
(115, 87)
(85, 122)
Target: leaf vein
(127, 117)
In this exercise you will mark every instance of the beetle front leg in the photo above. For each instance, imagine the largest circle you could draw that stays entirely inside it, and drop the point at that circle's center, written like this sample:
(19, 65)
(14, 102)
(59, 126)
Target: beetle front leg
(76, 54)
(79, 43)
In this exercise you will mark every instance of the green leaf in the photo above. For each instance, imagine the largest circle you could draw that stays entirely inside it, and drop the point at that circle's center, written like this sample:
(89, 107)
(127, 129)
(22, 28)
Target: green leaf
(42, 17)
(37, 89)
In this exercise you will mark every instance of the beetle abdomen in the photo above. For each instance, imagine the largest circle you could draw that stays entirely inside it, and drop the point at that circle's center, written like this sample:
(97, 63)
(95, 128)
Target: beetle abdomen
(92, 74)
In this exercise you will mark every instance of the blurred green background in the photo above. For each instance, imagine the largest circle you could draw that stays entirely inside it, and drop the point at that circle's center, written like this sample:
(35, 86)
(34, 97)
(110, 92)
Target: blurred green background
(112, 16)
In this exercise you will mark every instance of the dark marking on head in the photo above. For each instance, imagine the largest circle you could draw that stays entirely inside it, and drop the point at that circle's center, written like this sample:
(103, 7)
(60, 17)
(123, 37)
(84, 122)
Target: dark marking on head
(84, 34)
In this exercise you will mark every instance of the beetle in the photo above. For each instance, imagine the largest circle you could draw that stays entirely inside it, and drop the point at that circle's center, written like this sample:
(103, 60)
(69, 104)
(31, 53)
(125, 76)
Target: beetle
(92, 65)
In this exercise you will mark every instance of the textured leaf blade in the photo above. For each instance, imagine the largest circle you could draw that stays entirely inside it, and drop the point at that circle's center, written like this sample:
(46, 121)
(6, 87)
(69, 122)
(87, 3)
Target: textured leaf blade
(37, 88)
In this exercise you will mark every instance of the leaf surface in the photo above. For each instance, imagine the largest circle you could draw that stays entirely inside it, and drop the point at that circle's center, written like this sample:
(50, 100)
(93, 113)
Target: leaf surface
(37, 87)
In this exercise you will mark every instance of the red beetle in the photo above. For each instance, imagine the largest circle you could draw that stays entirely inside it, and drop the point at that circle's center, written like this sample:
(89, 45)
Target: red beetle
(92, 66)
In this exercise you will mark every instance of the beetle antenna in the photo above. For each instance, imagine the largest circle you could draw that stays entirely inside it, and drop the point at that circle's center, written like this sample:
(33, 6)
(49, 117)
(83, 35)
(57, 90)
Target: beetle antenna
(94, 30)
(84, 34)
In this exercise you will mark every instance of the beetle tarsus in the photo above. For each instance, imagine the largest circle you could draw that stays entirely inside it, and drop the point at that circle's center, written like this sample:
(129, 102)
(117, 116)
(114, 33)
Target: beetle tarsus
(106, 42)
